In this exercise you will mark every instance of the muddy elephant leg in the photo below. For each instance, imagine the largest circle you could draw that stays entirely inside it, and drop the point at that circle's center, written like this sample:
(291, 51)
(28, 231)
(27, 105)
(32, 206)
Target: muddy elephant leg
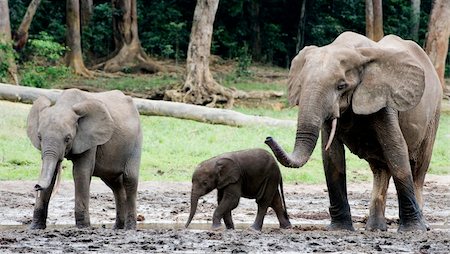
(228, 202)
(395, 151)
(83, 168)
(41, 206)
(120, 197)
(381, 177)
(227, 218)
(334, 167)
(277, 206)
(130, 181)
(259, 220)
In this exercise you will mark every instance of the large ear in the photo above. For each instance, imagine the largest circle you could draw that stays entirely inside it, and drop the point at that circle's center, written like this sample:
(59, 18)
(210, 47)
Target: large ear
(95, 125)
(390, 78)
(33, 119)
(294, 84)
(228, 172)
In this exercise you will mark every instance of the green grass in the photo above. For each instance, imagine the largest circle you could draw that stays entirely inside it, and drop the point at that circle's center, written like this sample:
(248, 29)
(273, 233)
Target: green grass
(173, 147)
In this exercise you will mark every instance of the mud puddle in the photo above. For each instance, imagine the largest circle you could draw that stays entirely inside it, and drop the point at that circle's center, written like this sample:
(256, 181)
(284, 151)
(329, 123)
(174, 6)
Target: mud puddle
(163, 209)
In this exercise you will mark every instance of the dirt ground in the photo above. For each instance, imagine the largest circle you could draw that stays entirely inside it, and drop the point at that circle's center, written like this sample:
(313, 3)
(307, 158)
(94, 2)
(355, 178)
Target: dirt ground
(164, 207)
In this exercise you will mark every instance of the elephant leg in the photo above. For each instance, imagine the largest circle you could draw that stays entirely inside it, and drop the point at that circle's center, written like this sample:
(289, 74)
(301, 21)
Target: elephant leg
(120, 198)
(259, 220)
(335, 174)
(395, 151)
(381, 177)
(130, 181)
(228, 202)
(277, 206)
(83, 168)
(228, 220)
(40, 212)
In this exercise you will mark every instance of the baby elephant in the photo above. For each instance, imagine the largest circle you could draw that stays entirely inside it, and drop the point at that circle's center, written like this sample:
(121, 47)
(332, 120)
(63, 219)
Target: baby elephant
(251, 174)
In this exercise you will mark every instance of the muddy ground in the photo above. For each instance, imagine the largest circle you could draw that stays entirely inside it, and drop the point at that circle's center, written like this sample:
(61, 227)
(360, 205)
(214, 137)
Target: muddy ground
(163, 209)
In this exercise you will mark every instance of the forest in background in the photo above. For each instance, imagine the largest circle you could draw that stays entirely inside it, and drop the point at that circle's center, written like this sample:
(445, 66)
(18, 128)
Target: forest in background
(264, 31)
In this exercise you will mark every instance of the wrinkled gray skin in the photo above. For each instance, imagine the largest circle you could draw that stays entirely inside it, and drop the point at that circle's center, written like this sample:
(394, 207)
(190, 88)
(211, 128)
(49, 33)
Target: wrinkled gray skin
(101, 134)
(250, 174)
(385, 98)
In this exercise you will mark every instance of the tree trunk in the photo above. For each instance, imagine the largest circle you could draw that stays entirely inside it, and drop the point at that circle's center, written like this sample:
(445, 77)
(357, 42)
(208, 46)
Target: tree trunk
(8, 68)
(21, 35)
(256, 29)
(85, 11)
(128, 56)
(153, 107)
(436, 44)
(369, 19)
(374, 19)
(200, 88)
(74, 57)
(301, 29)
(415, 19)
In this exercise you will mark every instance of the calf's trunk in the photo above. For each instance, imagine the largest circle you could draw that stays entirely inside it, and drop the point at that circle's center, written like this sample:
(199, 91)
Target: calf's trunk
(194, 203)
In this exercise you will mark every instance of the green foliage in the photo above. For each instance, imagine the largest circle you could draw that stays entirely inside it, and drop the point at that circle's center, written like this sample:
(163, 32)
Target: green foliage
(41, 67)
(98, 33)
(7, 55)
(244, 60)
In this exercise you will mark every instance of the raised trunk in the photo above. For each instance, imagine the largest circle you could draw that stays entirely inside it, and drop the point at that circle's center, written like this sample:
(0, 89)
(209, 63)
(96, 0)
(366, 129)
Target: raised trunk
(194, 203)
(305, 142)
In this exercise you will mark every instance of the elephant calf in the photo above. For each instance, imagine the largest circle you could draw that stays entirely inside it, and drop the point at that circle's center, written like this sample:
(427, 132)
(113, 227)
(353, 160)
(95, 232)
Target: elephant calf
(251, 174)
(101, 134)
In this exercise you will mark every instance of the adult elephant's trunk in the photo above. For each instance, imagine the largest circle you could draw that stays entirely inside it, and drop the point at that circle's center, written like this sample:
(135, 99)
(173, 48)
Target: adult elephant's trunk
(194, 203)
(305, 141)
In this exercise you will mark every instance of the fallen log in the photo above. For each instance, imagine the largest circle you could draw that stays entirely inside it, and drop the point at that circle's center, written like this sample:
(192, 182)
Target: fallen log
(154, 107)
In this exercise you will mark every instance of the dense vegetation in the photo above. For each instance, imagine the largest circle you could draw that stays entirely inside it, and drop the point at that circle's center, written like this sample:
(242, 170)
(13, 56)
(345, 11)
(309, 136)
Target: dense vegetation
(164, 26)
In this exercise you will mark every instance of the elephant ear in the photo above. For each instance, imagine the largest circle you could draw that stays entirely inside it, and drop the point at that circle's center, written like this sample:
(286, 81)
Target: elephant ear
(95, 125)
(391, 78)
(39, 104)
(294, 82)
(228, 172)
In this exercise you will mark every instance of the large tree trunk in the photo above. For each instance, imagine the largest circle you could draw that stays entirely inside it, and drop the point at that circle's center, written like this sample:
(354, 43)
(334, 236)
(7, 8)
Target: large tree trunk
(200, 88)
(74, 57)
(21, 35)
(152, 107)
(436, 44)
(6, 50)
(374, 19)
(86, 11)
(128, 55)
(415, 19)
(256, 29)
(301, 29)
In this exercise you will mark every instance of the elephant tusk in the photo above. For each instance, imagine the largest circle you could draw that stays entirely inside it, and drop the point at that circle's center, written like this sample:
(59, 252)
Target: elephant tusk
(333, 131)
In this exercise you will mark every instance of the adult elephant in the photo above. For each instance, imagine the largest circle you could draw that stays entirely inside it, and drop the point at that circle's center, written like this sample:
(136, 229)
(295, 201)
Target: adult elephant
(381, 100)
(101, 134)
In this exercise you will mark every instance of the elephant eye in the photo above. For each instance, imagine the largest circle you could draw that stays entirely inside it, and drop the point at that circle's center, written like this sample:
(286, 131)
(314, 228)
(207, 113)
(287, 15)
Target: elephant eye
(205, 183)
(341, 86)
(39, 136)
(67, 139)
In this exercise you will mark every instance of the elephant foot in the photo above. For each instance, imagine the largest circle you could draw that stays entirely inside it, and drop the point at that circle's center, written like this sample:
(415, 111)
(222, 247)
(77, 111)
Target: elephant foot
(37, 225)
(83, 225)
(285, 225)
(338, 226)
(418, 225)
(217, 227)
(255, 227)
(375, 224)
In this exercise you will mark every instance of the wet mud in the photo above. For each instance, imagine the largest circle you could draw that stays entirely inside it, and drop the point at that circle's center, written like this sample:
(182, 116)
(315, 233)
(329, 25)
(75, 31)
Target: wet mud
(163, 209)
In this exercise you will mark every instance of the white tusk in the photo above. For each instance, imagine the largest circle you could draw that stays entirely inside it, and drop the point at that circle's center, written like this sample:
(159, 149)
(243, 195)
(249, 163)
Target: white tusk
(38, 194)
(333, 131)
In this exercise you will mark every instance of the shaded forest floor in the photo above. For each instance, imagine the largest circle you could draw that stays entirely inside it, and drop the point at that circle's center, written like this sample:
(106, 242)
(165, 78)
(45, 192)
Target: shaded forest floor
(163, 209)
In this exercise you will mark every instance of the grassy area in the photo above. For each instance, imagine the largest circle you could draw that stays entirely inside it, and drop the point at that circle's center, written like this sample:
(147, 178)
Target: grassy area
(173, 147)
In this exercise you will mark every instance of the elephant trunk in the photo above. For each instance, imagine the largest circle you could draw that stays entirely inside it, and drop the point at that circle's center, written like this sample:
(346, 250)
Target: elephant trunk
(50, 167)
(305, 141)
(194, 203)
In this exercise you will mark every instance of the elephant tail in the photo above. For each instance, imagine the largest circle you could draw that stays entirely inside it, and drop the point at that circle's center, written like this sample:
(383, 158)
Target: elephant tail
(282, 197)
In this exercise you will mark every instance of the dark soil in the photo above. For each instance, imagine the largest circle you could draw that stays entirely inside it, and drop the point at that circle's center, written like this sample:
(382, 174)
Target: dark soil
(163, 209)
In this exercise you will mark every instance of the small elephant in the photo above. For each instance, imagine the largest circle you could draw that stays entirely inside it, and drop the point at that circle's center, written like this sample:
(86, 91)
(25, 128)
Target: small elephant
(381, 100)
(250, 174)
(101, 134)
